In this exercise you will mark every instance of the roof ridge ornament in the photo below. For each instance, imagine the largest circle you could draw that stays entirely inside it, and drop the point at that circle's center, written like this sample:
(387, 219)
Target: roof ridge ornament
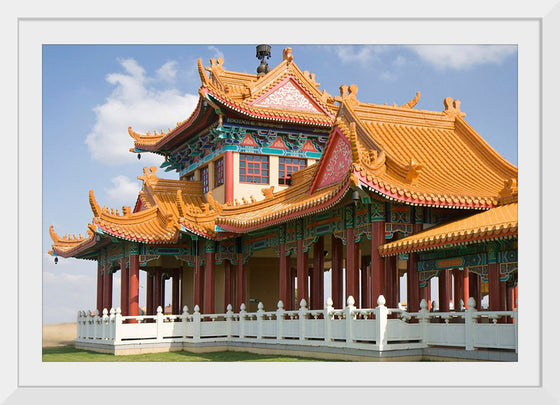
(94, 205)
(348, 95)
(149, 174)
(413, 173)
(412, 102)
(287, 55)
(268, 192)
(452, 108)
(202, 74)
(510, 191)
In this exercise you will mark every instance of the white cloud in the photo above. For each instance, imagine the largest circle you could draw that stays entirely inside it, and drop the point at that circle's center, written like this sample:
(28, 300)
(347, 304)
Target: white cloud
(399, 61)
(217, 52)
(388, 76)
(136, 101)
(123, 191)
(168, 72)
(462, 56)
(352, 54)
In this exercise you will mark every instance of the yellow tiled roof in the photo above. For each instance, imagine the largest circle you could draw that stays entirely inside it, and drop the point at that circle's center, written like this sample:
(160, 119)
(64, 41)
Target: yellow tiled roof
(68, 244)
(287, 204)
(424, 157)
(496, 223)
(239, 91)
(172, 206)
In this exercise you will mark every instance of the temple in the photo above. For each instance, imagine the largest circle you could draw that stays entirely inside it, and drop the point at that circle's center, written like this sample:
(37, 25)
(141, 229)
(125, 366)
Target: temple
(279, 181)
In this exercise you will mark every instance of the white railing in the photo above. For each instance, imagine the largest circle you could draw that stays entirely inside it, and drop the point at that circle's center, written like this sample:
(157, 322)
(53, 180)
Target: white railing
(378, 329)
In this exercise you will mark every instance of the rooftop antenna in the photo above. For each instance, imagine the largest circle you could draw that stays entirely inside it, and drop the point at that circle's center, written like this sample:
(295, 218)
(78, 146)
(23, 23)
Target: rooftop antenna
(263, 52)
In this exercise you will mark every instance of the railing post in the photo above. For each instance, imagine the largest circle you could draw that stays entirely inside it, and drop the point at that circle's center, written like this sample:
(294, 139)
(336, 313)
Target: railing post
(302, 316)
(229, 321)
(424, 320)
(97, 327)
(79, 326)
(381, 322)
(327, 318)
(105, 324)
(242, 314)
(112, 324)
(196, 324)
(118, 326)
(184, 318)
(260, 316)
(159, 324)
(280, 321)
(515, 324)
(470, 320)
(349, 317)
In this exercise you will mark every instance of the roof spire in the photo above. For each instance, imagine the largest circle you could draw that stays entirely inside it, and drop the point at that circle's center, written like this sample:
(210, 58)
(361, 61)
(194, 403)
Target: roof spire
(263, 52)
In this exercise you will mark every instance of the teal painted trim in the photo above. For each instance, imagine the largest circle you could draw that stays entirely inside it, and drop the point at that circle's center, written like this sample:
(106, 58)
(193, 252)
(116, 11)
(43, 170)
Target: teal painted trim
(218, 228)
(246, 149)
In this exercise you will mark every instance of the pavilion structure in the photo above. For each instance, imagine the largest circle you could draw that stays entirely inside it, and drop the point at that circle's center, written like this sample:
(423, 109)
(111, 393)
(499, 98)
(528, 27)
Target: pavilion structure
(278, 181)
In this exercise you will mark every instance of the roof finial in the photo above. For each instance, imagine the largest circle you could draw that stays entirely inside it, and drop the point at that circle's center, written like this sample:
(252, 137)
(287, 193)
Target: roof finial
(263, 52)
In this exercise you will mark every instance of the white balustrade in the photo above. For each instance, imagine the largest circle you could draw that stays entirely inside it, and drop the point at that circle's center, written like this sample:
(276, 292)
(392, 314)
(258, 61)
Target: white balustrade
(378, 328)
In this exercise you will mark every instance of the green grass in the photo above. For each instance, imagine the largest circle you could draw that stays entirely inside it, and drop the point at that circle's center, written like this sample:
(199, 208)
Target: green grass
(68, 353)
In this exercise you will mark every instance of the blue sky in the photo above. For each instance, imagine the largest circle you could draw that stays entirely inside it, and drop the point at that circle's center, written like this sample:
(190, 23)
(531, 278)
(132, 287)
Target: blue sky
(92, 93)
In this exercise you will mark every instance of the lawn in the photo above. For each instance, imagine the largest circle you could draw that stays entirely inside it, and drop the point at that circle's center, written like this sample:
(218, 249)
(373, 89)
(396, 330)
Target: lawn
(69, 353)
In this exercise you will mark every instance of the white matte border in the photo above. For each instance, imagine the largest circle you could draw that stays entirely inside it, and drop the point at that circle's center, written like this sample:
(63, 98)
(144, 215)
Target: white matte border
(32, 372)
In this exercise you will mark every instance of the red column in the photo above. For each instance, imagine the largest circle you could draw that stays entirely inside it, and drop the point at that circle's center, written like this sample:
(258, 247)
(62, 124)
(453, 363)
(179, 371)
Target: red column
(198, 280)
(149, 293)
(457, 293)
(240, 284)
(157, 289)
(474, 288)
(228, 291)
(351, 267)
(364, 290)
(162, 292)
(175, 304)
(133, 284)
(336, 276)
(209, 279)
(412, 287)
(317, 288)
(503, 295)
(100, 288)
(108, 288)
(510, 300)
(284, 275)
(124, 287)
(494, 288)
(444, 290)
(302, 286)
(228, 172)
(424, 293)
(466, 291)
(377, 262)
(292, 290)
(390, 280)
(515, 296)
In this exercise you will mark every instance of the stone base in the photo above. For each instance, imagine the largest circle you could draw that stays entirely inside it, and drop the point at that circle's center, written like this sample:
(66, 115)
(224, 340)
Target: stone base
(316, 352)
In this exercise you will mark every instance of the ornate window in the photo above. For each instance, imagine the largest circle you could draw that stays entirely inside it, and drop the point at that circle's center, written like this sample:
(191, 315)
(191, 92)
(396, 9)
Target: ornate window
(190, 177)
(219, 172)
(287, 166)
(204, 179)
(253, 169)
